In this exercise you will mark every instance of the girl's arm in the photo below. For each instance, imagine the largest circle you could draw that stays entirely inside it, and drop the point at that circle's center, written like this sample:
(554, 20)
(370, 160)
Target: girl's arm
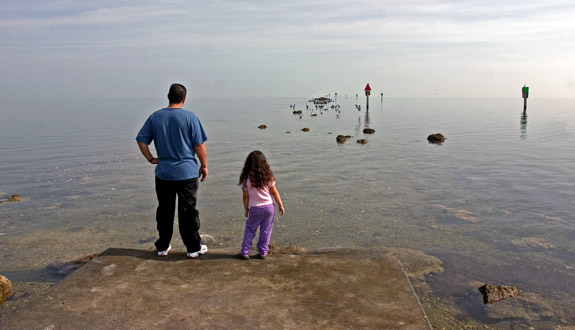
(246, 202)
(276, 195)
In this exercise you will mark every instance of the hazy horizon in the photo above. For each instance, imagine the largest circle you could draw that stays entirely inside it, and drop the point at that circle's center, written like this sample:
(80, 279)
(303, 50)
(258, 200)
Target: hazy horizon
(444, 48)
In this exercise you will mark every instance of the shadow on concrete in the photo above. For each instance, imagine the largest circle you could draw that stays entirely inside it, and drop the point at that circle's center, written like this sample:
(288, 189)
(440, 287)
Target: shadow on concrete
(172, 256)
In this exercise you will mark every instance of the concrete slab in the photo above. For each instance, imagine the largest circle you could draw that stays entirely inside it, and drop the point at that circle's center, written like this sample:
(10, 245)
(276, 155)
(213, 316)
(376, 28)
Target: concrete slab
(135, 289)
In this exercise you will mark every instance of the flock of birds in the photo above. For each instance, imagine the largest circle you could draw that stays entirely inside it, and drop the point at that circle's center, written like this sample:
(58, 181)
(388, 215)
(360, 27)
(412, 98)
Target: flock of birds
(321, 108)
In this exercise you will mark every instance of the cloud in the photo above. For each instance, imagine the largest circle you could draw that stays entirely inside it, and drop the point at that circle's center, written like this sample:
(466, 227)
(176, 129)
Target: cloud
(223, 37)
(95, 16)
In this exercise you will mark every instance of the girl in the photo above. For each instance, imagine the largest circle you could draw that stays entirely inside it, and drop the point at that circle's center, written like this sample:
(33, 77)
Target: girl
(258, 184)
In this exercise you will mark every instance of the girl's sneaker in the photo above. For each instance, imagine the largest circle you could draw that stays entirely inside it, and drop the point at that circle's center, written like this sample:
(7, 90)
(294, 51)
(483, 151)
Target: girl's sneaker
(243, 257)
(203, 250)
(165, 253)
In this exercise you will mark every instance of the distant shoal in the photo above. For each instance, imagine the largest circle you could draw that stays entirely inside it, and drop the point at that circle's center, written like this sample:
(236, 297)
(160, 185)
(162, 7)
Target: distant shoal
(136, 289)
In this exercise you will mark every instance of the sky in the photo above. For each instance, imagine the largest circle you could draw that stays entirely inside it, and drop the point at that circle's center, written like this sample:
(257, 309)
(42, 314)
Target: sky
(225, 48)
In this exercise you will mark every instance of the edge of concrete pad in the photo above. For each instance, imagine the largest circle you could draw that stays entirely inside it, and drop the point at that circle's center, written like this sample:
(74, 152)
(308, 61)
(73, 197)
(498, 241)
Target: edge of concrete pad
(414, 294)
(335, 289)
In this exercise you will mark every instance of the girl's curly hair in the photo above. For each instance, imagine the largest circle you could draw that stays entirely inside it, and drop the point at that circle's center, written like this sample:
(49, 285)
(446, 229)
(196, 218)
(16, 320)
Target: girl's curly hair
(257, 169)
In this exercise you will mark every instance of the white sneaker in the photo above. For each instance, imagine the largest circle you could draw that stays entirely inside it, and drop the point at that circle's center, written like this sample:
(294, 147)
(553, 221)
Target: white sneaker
(203, 250)
(165, 253)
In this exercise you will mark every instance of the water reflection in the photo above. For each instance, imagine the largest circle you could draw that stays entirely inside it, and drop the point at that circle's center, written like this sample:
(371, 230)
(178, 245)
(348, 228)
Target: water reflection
(366, 122)
(361, 124)
(358, 126)
(524, 125)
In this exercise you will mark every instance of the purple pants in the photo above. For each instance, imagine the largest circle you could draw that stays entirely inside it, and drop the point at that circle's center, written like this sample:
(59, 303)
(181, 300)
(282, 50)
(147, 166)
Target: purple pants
(263, 217)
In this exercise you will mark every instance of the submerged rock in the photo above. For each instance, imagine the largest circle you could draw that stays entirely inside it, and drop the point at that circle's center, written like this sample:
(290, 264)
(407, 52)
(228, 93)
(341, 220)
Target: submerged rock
(340, 139)
(208, 239)
(368, 131)
(305, 129)
(492, 293)
(13, 198)
(287, 250)
(262, 127)
(532, 242)
(297, 112)
(147, 240)
(416, 263)
(527, 306)
(459, 214)
(436, 138)
(63, 269)
(5, 289)
(362, 141)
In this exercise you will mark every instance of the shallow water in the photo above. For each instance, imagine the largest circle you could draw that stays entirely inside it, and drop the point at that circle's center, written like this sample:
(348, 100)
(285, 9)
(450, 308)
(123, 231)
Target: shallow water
(494, 203)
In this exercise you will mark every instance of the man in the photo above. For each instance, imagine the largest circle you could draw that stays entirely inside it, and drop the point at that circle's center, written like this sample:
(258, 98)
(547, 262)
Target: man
(178, 137)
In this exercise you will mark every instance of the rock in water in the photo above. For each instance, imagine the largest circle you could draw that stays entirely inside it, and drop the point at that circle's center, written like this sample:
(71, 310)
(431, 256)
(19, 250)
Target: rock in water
(291, 250)
(305, 129)
(208, 239)
(492, 293)
(340, 139)
(5, 289)
(368, 131)
(297, 112)
(262, 127)
(13, 198)
(362, 141)
(147, 240)
(436, 138)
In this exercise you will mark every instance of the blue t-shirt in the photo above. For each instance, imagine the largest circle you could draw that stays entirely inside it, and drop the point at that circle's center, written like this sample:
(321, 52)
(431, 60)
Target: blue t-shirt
(175, 132)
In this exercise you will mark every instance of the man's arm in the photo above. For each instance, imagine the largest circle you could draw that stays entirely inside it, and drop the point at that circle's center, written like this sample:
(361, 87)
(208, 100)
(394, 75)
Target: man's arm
(145, 150)
(200, 150)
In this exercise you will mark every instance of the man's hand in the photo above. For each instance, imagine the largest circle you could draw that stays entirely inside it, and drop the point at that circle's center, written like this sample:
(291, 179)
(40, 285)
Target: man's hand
(200, 150)
(203, 173)
(145, 150)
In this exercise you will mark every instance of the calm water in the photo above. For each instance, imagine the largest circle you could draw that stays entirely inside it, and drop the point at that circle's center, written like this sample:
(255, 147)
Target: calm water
(494, 203)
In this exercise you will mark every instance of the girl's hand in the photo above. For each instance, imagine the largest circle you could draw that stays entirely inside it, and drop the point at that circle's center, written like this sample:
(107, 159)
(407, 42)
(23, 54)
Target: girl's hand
(281, 208)
(247, 212)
